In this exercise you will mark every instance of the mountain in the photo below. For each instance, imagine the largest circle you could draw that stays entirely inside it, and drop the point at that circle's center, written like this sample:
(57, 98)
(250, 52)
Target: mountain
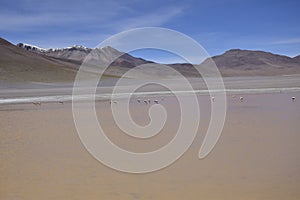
(18, 64)
(237, 62)
(25, 62)
(32, 48)
(108, 55)
(75, 53)
(246, 59)
(78, 53)
(30, 62)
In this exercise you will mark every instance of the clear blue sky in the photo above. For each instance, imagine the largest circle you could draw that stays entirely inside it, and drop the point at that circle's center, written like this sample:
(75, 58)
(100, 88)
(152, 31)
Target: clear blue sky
(217, 25)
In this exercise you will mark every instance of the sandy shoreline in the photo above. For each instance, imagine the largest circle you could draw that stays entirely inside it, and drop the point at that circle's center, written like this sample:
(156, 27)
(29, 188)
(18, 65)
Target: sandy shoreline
(257, 156)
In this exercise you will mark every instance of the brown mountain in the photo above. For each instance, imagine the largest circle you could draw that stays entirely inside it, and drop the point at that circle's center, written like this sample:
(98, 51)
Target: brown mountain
(245, 59)
(78, 53)
(17, 64)
(27, 62)
(238, 62)
(107, 55)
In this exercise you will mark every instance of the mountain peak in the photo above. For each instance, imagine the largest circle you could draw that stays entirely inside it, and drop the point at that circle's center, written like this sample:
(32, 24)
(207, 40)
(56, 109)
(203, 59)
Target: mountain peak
(234, 50)
(110, 49)
(31, 47)
(78, 47)
(244, 52)
(74, 47)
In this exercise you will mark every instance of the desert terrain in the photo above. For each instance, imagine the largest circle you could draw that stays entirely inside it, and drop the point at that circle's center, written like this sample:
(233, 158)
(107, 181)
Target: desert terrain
(42, 157)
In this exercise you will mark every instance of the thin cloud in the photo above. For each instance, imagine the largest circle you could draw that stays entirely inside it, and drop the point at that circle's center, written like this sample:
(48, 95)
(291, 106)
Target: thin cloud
(48, 15)
(23, 22)
(110, 18)
(153, 19)
(287, 41)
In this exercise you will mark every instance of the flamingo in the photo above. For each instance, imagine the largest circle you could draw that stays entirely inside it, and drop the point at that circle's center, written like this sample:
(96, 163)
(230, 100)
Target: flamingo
(293, 98)
(241, 99)
(37, 103)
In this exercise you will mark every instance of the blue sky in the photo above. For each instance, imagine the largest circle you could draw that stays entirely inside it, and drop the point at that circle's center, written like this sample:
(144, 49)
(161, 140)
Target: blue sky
(217, 25)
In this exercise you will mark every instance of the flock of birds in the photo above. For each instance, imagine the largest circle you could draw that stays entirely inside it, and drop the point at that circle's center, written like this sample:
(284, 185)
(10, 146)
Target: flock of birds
(148, 101)
(38, 103)
(241, 98)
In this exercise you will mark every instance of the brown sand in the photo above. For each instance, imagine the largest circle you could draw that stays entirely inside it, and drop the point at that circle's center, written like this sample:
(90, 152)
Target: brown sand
(257, 156)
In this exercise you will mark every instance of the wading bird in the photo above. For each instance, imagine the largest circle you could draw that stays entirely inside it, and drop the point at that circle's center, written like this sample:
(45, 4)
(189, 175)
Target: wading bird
(293, 98)
(241, 99)
(37, 103)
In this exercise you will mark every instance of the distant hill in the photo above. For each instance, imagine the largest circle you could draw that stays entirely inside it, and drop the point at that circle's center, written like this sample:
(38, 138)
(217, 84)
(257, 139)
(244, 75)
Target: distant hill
(246, 62)
(258, 63)
(29, 62)
(237, 62)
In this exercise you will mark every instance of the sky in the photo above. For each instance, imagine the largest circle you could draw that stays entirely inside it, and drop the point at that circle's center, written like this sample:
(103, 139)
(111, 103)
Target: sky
(217, 25)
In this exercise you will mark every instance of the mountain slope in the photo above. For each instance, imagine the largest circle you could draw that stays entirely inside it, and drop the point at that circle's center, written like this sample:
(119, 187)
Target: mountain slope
(17, 64)
(78, 53)
(238, 62)
(108, 55)
(297, 59)
(33, 63)
(245, 59)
